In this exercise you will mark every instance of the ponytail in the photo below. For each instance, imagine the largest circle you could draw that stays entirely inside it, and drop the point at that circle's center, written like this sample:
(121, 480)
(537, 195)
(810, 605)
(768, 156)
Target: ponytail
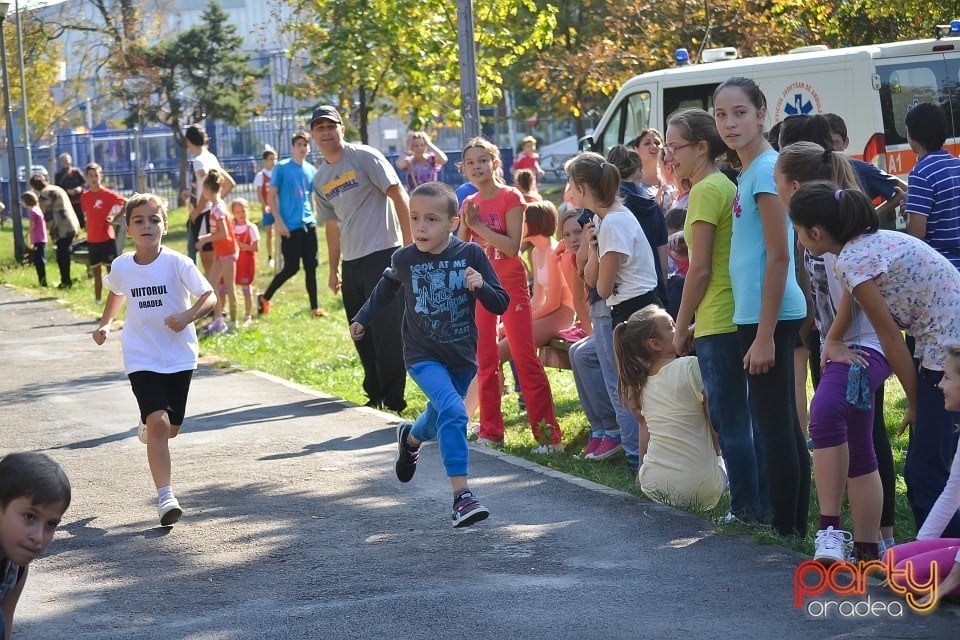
(842, 213)
(214, 180)
(634, 360)
(592, 171)
(808, 161)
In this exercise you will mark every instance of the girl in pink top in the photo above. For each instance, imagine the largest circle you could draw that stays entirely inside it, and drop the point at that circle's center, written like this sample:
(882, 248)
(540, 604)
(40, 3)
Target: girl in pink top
(493, 217)
(38, 235)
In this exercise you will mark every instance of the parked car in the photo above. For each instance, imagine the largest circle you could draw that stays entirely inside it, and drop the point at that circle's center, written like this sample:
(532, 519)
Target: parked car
(34, 169)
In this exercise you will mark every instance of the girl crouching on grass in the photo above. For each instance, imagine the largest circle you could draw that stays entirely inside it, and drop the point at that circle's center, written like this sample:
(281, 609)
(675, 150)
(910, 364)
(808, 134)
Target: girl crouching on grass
(680, 461)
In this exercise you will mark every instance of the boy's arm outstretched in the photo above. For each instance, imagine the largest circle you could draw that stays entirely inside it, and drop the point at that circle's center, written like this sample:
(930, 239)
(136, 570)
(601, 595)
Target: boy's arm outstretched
(382, 295)
(110, 311)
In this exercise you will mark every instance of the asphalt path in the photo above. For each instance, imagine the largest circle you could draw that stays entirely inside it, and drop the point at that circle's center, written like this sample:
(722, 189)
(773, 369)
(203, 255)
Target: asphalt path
(295, 526)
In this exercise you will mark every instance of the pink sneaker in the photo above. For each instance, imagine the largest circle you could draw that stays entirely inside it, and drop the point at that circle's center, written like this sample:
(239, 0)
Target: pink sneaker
(573, 334)
(592, 445)
(607, 448)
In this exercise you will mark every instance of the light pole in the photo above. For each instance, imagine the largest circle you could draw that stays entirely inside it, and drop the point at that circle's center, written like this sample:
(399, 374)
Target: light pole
(469, 101)
(18, 246)
(28, 161)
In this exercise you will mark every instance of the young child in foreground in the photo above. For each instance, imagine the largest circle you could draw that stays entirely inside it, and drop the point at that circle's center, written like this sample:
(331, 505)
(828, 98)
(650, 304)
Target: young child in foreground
(34, 494)
(680, 459)
(442, 278)
(159, 338)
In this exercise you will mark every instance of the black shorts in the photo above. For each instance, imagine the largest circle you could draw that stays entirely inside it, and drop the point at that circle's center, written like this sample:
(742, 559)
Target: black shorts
(102, 252)
(161, 392)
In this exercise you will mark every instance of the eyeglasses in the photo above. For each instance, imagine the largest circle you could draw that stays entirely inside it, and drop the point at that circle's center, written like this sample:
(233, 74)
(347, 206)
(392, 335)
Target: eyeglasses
(671, 149)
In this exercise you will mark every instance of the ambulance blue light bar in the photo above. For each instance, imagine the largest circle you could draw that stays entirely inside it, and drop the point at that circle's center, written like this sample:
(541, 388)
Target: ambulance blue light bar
(951, 30)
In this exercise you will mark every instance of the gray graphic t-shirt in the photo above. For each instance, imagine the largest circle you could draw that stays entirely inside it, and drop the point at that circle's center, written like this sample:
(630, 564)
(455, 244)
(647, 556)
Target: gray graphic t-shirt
(438, 322)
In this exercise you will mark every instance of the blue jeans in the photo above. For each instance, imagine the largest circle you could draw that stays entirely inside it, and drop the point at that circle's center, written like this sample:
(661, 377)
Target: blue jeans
(591, 387)
(445, 418)
(725, 383)
(933, 443)
(603, 334)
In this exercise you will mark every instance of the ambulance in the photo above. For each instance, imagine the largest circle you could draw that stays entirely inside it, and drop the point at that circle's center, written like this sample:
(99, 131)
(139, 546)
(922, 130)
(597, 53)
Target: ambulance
(870, 87)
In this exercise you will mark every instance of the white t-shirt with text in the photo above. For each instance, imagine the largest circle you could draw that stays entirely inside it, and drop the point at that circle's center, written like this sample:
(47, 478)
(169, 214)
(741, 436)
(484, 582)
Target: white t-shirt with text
(154, 292)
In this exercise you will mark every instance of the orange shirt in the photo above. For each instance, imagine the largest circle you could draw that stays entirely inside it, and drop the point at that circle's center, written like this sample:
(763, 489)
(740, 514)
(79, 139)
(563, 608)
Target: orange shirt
(96, 206)
(226, 246)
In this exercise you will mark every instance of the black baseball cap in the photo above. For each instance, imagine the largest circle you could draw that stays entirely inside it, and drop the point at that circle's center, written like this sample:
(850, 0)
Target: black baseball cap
(326, 112)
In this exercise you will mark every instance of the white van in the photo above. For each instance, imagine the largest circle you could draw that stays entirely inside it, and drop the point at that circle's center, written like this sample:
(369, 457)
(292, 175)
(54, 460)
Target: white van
(870, 87)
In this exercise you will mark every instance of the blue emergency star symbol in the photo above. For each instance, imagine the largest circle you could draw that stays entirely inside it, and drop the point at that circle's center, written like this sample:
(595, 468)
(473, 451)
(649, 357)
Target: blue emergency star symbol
(799, 106)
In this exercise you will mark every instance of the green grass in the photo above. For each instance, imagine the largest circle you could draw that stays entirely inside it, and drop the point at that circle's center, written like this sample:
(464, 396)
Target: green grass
(318, 353)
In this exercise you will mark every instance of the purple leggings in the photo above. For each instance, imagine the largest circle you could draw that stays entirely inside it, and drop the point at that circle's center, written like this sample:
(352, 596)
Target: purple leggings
(941, 552)
(834, 421)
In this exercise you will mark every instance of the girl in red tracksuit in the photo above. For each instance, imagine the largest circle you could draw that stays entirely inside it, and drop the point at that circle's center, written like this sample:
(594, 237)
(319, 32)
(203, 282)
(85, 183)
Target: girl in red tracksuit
(493, 217)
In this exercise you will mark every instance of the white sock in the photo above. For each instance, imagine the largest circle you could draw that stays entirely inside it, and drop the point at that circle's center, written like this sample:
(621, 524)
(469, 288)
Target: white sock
(164, 493)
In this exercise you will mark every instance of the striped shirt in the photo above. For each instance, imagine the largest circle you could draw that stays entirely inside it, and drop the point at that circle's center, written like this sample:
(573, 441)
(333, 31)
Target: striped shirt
(934, 192)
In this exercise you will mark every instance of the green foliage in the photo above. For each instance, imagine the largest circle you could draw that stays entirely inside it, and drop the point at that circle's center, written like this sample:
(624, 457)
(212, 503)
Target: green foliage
(404, 60)
(40, 57)
(201, 73)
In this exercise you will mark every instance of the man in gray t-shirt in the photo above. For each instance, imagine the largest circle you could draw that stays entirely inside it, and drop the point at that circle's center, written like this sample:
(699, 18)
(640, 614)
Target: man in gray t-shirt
(366, 217)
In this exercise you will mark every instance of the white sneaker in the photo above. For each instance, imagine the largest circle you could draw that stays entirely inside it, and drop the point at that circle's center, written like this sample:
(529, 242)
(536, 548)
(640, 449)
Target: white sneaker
(730, 519)
(830, 545)
(170, 512)
(142, 433)
(270, 263)
(547, 448)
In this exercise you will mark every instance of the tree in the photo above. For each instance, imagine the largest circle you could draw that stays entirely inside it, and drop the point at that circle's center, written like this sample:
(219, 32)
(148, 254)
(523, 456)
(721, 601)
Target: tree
(41, 54)
(599, 44)
(369, 54)
(199, 74)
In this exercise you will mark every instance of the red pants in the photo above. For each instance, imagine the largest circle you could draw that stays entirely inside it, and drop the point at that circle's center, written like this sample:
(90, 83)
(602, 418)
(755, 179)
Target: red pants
(518, 326)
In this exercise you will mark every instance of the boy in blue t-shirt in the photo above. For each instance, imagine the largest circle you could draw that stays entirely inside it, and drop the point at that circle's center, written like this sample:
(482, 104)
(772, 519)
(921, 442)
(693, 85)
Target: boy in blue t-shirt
(442, 278)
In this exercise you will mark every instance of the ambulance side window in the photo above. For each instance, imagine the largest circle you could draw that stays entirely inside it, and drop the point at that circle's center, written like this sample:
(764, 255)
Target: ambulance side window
(902, 87)
(953, 86)
(611, 135)
(698, 96)
(638, 115)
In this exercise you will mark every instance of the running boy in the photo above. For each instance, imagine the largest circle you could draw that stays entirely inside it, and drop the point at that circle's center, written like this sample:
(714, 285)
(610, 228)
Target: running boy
(34, 494)
(159, 338)
(442, 278)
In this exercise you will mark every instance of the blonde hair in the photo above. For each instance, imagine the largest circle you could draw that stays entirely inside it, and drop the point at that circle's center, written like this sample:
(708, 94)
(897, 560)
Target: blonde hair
(565, 214)
(242, 202)
(634, 359)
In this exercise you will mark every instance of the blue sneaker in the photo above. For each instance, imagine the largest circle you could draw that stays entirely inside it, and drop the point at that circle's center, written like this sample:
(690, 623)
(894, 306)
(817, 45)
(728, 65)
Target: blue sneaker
(406, 464)
(467, 510)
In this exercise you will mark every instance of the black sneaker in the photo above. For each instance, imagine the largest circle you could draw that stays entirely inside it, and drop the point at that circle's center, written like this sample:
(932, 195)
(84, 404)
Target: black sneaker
(467, 511)
(406, 464)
